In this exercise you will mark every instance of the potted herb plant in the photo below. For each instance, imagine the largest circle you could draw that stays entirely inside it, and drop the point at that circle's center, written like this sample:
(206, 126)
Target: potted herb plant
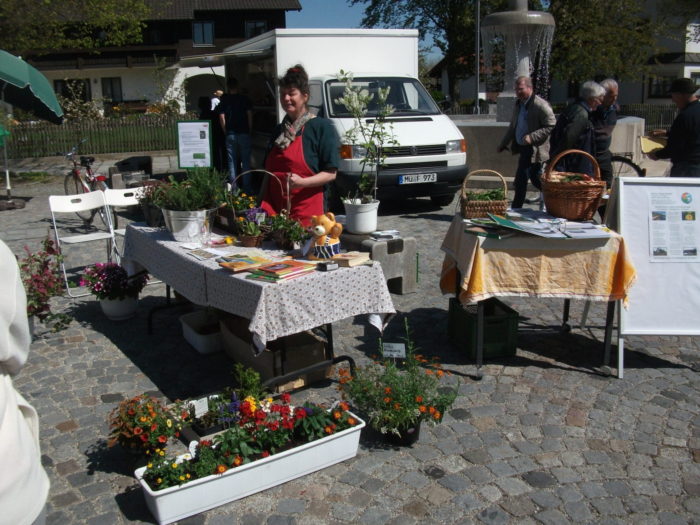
(270, 442)
(396, 397)
(143, 425)
(370, 137)
(117, 291)
(190, 205)
(41, 276)
(236, 203)
(250, 227)
(151, 212)
(287, 233)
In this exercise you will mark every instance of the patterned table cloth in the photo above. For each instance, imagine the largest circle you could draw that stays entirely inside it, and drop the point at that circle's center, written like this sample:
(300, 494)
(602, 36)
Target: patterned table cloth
(527, 265)
(274, 309)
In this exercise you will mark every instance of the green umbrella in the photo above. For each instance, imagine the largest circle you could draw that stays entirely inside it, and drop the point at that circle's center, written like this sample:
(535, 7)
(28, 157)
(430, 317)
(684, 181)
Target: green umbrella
(23, 86)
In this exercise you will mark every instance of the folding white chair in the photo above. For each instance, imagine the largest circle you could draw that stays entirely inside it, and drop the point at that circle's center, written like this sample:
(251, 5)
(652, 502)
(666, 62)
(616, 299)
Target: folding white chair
(122, 198)
(74, 204)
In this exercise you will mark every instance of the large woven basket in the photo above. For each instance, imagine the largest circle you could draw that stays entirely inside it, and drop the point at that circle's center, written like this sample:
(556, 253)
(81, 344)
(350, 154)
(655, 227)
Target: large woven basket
(575, 200)
(472, 209)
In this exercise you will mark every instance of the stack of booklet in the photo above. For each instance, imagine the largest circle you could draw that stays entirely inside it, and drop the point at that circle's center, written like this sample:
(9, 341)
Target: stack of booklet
(281, 271)
(241, 262)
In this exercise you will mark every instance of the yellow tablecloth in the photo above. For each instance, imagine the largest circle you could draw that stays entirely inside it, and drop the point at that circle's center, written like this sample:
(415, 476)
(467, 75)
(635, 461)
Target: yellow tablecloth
(531, 266)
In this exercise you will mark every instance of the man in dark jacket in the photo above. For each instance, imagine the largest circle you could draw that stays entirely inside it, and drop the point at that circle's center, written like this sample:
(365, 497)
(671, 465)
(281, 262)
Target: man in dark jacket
(574, 130)
(683, 146)
(528, 135)
(236, 119)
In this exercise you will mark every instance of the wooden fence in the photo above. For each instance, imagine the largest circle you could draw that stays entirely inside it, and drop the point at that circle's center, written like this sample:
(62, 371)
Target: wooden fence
(142, 133)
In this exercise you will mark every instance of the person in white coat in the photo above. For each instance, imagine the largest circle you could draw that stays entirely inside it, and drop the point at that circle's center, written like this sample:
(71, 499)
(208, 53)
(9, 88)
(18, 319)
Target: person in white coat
(24, 485)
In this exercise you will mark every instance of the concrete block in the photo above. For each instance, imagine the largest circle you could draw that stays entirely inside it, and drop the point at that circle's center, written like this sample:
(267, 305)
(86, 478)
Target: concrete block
(397, 257)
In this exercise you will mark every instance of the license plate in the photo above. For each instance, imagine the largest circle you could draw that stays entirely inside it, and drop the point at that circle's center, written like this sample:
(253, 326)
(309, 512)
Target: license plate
(417, 178)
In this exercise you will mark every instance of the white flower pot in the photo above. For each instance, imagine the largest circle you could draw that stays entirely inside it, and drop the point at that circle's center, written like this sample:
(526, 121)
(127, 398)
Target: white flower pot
(175, 503)
(119, 309)
(361, 218)
(193, 330)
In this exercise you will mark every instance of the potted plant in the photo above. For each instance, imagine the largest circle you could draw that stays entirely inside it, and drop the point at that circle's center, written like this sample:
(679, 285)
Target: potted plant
(250, 227)
(117, 291)
(143, 425)
(287, 233)
(189, 205)
(396, 397)
(269, 443)
(151, 212)
(235, 204)
(371, 137)
(41, 276)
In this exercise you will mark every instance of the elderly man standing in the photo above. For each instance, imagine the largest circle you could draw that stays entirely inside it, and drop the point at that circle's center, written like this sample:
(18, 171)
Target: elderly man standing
(574, 129)
(528, 134)
(604, 119)
(683, 146)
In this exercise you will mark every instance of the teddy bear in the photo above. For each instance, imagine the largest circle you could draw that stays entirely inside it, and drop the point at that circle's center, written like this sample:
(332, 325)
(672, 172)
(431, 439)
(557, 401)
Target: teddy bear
(326, 236)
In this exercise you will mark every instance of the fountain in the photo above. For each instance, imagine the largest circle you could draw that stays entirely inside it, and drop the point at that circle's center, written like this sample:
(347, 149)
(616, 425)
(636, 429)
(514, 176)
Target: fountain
(526, 35)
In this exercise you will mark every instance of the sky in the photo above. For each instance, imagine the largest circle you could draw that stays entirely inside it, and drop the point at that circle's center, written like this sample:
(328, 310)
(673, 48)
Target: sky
(334, 13)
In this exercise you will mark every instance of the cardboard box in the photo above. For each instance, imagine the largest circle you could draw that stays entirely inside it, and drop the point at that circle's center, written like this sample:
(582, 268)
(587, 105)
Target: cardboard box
(281, 356)
(500, 328)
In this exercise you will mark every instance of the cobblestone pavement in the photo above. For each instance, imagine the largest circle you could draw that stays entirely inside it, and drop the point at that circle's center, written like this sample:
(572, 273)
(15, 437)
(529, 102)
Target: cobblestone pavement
(542, 438)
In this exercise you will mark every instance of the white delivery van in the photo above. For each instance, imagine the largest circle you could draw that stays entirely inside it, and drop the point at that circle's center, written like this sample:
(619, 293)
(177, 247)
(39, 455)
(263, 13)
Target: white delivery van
(431, 158)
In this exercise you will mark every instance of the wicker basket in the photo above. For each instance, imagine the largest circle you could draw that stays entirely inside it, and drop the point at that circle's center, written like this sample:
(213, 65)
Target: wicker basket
(478, 209)
(575, 200)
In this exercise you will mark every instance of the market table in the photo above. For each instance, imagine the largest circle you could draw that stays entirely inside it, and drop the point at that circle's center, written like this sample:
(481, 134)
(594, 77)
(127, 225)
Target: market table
(477, 268)
(274, 309)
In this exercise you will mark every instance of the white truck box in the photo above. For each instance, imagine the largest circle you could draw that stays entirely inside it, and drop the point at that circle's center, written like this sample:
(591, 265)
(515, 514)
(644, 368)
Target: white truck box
(431, 159)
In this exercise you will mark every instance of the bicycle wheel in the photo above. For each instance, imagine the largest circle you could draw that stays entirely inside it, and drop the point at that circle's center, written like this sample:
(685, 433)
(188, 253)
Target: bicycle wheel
(73, 186)
(624, 167)
(101, 185)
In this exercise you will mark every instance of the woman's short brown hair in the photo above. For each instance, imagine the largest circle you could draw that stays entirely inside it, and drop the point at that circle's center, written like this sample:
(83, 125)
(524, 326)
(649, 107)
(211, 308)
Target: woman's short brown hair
(296, 77)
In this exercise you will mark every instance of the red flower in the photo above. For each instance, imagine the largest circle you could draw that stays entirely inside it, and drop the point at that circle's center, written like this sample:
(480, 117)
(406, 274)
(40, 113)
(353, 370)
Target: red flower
(162, 439)
(285, 397)
(137, 431)
(265, 453)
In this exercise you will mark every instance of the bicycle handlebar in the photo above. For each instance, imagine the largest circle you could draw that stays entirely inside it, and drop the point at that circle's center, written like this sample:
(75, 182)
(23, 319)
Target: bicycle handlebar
(74, 149)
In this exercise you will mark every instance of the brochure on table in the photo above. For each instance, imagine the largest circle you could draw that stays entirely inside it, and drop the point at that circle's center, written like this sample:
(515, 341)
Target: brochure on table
(543, 225)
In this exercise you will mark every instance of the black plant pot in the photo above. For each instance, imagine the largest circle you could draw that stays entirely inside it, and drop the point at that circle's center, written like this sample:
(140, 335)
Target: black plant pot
(153, 215)
(406, 437)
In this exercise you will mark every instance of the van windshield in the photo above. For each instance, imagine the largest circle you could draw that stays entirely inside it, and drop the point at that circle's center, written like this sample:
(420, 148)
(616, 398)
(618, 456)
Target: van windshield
(406, 95)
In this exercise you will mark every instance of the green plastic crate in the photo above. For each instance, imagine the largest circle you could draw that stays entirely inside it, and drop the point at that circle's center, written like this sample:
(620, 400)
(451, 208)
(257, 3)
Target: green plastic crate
(500, 328)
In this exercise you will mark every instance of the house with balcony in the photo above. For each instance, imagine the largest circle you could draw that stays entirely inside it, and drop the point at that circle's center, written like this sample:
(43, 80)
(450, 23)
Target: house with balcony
(154, 69)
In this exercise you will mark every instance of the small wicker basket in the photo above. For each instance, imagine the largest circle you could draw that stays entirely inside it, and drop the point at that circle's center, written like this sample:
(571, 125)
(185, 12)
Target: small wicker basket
(576, 200)
(472, 209)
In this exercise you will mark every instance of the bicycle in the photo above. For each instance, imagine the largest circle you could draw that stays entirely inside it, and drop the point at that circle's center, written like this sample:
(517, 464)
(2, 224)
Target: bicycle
(625, 167)
(77, 182)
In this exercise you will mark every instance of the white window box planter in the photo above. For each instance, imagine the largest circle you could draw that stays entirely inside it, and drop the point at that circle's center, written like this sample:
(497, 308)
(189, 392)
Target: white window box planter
(175, 503)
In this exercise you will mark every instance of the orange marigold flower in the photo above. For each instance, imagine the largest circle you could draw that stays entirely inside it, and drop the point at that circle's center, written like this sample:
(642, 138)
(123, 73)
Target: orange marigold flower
(328, 430)
(437, 415)
(419, 399)
(143, 419)
(397, 406)
(387, 390)
(237, 460)
(440, 373)
(422, 408)
(352, 421)
(431, 410)
(344, 405)
(220, 469)
(337, 414)
(429, 372)
(387, 400)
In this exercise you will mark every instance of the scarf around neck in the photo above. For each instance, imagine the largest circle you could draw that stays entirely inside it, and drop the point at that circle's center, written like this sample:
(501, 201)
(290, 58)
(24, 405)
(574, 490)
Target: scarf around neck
(290, 129)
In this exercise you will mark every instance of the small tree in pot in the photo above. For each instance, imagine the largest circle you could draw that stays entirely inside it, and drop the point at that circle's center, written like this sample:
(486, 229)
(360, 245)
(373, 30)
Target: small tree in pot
(370, 137)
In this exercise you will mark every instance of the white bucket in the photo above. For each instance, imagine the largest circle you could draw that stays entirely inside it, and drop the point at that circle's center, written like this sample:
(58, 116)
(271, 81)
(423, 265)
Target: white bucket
(361, 218)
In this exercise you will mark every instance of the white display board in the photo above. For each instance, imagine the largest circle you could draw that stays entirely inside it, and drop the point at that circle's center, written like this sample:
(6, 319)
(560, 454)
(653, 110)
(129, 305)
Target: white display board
(659, 219)
(194, 143)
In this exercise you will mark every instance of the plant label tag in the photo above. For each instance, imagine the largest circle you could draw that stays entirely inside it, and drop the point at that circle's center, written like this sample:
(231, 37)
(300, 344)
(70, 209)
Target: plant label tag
(395, 350)
(200, 406)
(260, 217)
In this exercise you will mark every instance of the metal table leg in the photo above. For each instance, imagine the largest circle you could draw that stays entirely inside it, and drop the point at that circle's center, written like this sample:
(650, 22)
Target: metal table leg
(609, 321)
(565, 326)
(479, 339)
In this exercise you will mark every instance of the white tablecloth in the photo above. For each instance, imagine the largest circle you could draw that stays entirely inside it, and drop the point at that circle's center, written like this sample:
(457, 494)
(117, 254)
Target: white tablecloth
(274, 309)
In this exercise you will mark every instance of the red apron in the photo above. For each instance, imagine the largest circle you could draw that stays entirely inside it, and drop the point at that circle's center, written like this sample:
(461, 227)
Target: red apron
(305, 201)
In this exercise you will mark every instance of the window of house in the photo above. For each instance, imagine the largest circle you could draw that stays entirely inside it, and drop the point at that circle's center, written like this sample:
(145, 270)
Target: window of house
(112, 89)
(203, 33)
(255, 27)
(73, 88)
(659, 86)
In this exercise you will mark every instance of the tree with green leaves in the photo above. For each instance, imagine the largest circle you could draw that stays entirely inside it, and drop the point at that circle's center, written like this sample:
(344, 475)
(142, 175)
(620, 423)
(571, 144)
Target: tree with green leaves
(44, 26)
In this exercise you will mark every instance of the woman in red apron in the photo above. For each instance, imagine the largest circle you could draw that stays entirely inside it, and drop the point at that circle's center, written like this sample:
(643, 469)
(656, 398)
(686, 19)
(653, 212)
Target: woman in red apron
(304, 155)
